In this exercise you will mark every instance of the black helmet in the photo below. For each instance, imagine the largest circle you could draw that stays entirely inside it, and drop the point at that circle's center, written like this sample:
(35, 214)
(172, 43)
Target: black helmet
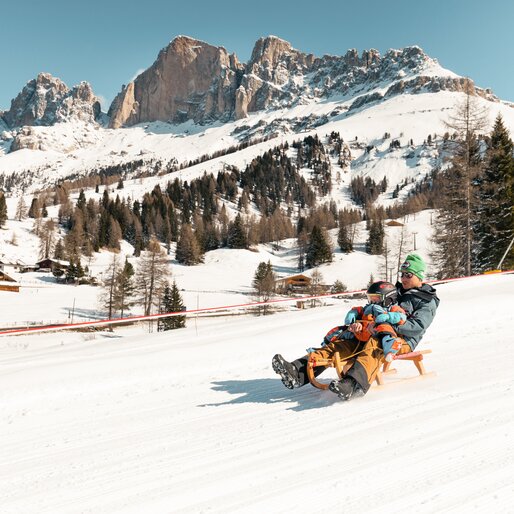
(383, 293)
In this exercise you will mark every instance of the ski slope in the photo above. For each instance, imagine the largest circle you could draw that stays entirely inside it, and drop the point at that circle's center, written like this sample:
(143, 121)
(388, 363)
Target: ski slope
(195, 420)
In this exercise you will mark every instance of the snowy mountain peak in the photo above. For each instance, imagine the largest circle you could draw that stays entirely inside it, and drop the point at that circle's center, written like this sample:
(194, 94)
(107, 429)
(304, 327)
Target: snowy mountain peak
(213, 85)
(190, 79)
(47, 100)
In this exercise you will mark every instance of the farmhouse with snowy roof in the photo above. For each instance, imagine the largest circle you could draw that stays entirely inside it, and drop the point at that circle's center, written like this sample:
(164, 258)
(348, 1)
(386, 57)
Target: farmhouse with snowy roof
(52, 264)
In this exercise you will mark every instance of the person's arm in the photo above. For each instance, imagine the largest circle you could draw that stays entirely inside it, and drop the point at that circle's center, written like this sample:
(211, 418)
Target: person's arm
(419, 321)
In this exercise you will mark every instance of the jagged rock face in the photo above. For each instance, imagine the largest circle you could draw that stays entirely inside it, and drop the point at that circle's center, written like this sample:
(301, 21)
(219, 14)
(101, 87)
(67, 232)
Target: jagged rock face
(26, 139)
(47, 100)
(193, 80)
(273, 65)
(189, 80)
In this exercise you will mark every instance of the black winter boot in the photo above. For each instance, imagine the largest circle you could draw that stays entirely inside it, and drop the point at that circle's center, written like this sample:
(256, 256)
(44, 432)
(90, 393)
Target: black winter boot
(344, 388)
(287, 371)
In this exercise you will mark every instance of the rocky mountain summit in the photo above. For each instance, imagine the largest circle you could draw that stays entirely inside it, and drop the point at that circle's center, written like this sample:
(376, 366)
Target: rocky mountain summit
(47, 100)
(192, 80)
(189, 80)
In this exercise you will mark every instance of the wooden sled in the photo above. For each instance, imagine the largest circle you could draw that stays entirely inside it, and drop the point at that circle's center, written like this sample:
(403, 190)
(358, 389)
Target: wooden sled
(343, 366)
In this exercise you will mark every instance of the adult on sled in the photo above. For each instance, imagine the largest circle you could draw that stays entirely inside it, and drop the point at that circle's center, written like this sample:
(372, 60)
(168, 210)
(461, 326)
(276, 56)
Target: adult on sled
(401, 313)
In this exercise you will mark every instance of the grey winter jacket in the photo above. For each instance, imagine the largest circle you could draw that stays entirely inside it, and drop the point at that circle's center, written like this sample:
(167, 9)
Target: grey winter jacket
(420, 304)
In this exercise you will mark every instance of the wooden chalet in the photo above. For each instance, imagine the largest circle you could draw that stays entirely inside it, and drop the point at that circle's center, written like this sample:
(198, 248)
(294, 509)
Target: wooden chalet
(52, 264)
(8, 266)
(16, 266)
(293, 283)
(394, 223)
(7, 283)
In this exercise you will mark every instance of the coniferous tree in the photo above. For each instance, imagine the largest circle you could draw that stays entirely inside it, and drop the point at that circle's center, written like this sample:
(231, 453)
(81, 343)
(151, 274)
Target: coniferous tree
(211, 237)
(188, 250)
(3, 209)
(74, 239)
(375, 242)
(338, 287)
(124, 288)
(303, 241)
(236, 237)
(114, 234)
(319, 249)
(171, 302)
(59, 250)
(35, 209)
(454, 239)
(264, 284)
(75, 271)
(494, 227)
(21, 209)
(343, 239)
(81, 201)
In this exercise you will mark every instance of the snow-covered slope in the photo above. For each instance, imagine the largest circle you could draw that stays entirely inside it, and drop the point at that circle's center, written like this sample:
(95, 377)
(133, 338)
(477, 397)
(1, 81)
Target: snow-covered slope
(195, 420)
(74, 148)
(225, 278)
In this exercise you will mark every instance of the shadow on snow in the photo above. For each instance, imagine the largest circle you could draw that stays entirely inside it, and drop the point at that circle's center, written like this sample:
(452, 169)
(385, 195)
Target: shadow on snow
(271, 391)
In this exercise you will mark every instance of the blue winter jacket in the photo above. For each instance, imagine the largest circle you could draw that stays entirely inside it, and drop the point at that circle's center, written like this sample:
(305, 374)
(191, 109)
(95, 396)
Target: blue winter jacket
(420, 304)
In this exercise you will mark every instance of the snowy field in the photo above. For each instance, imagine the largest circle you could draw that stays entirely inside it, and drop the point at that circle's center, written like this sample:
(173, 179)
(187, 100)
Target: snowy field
(76, 147)
(225, 278)
(195, 420)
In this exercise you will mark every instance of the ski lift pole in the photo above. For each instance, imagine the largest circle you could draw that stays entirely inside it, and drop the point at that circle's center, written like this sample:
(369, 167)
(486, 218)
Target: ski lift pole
(505, 254)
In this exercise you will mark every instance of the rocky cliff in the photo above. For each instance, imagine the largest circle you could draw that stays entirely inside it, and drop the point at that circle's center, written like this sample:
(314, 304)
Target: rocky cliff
(46, 100)
(192, 80)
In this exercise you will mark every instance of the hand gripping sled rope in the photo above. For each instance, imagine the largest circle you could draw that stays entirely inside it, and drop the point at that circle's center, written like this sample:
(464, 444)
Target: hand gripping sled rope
(343, 365)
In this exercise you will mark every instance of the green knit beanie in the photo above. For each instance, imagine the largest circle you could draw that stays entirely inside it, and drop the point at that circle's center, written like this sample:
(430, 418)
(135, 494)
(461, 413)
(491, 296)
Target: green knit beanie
(414, 264)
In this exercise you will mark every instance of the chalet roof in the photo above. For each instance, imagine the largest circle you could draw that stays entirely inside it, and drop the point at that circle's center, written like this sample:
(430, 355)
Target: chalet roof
(5, 262)
(12, 262)
(6, 279)
(56, 261)
(289, 277)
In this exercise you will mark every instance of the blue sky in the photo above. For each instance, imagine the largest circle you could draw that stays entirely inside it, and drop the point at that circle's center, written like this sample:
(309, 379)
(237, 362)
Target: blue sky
(108, 42)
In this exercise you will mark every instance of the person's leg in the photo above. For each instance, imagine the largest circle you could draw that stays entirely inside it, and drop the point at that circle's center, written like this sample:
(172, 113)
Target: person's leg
(367, 364)
(294, 374)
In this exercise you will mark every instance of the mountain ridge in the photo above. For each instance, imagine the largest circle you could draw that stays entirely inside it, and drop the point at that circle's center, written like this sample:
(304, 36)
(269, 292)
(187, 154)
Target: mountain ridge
(194, 80)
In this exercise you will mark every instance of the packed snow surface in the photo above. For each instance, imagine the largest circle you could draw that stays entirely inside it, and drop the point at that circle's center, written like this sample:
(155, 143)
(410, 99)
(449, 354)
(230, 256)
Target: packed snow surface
(195, 420)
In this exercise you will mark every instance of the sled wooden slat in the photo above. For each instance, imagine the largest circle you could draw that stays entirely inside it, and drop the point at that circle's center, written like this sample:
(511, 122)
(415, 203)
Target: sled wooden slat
(342, 367)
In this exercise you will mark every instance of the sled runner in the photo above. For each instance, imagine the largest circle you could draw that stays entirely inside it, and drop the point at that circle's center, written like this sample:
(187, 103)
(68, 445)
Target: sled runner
(343, 366)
